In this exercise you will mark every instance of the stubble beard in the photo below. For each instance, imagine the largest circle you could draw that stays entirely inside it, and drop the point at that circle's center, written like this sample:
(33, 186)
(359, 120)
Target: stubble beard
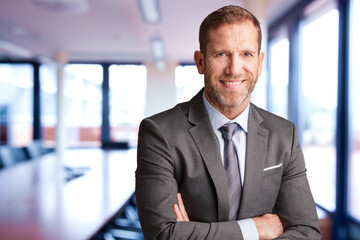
(228, 98)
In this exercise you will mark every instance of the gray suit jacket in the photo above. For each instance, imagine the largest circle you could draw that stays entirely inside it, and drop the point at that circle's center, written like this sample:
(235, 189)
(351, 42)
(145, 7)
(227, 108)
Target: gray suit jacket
(178, 152)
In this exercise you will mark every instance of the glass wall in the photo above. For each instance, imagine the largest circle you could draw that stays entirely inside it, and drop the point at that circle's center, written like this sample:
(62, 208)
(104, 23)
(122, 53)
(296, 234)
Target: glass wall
(16, 104)
(279, 77)
(319, 64)
(188, 82)
(354, 164)
(48, 106)
(127, 101)
(83, 96)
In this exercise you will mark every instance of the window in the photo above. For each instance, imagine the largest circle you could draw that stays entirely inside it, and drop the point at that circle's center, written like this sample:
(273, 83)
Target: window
(48, 98)
(279, 76)
(127, 101)
(16, 104)
(83, 96)
(319, 63)
(188, 82)
(354, 164)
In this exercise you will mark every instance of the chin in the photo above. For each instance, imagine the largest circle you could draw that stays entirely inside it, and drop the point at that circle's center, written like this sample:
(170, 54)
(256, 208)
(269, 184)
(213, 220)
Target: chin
(233, 101)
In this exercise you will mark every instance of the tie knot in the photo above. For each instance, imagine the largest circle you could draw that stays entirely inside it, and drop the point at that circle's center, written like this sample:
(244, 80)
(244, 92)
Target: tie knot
(228, 130)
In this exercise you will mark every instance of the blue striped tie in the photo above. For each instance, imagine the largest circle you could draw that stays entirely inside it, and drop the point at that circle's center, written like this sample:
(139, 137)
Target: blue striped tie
(231, 167)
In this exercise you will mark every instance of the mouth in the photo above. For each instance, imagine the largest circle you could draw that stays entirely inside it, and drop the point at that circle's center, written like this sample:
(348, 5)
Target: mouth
(232, 84)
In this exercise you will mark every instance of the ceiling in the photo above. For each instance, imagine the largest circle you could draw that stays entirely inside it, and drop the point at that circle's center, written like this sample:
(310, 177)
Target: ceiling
(110, 30)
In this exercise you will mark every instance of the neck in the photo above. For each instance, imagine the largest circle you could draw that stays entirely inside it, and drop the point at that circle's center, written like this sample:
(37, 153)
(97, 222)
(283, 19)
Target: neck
(232, 112)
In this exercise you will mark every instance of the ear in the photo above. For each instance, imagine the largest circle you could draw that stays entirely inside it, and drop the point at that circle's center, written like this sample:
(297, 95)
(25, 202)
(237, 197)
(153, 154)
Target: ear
(261, 61)
(199, 61)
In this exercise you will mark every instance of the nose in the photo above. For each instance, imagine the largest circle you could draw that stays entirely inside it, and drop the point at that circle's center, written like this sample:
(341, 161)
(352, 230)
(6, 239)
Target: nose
(234, 65)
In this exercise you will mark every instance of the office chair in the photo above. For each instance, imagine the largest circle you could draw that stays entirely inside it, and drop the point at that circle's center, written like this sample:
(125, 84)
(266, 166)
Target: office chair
(36, 149)
(9, 156)
(125, 226)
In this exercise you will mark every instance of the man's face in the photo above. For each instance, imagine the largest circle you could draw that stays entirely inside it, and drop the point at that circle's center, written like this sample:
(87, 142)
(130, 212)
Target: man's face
(231, 65)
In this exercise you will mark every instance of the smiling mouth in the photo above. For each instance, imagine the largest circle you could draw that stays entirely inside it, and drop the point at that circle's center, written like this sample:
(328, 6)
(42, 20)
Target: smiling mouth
(231, 83)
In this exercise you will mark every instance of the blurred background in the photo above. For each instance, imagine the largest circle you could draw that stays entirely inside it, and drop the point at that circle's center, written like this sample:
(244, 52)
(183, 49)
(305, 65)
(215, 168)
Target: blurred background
(78, 74)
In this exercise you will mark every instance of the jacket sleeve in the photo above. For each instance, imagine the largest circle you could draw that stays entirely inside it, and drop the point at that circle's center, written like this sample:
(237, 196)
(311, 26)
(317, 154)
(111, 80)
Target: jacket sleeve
(295, 204)
(156, 189)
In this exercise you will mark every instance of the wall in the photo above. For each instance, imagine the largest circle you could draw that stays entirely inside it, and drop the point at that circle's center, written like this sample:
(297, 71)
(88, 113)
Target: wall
(161, 89)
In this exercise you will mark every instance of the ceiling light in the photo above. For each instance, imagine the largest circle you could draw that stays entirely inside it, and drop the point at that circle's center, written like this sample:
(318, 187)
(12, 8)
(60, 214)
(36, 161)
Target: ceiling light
(157, 48)
(150, 10)
(14, 49)
(158, 52)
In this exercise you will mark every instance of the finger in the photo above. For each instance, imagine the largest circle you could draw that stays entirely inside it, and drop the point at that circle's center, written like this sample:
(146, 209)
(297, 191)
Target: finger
(179, 217)
(182, 208)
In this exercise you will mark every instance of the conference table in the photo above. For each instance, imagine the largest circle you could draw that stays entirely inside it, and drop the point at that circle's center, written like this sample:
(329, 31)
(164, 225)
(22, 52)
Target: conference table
(38, 200)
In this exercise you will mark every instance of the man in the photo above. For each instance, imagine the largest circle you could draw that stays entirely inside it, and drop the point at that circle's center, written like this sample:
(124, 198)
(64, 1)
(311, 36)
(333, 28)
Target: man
(195, 180)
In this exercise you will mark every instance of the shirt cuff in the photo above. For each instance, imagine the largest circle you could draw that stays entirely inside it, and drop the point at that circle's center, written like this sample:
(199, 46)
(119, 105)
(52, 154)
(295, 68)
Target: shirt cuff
(248, 229)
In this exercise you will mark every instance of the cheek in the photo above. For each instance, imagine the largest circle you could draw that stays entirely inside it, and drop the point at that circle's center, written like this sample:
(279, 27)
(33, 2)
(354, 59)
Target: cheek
(214, 68)
(253, 69)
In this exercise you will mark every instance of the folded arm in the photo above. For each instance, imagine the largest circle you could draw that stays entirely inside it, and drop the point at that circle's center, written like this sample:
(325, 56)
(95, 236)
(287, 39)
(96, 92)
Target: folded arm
(268, 226)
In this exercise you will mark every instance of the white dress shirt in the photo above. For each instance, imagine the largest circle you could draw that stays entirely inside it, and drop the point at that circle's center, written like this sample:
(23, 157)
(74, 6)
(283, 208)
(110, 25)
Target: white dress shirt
(217, 120)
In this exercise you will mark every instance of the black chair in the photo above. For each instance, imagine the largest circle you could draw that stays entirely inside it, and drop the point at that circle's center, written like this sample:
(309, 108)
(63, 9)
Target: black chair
(10, 156)
(125, 226)
(20, 154)
(36, 149)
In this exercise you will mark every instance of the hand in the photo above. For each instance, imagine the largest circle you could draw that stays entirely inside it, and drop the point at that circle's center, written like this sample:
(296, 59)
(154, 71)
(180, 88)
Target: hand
(180, 211)
(269, 226)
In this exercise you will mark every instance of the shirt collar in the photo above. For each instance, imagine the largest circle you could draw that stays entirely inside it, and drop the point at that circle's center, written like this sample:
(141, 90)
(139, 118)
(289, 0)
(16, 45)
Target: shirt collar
(217, 119)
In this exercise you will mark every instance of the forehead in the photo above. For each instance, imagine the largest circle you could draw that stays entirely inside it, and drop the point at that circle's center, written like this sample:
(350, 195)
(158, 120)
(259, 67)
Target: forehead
(231, 33)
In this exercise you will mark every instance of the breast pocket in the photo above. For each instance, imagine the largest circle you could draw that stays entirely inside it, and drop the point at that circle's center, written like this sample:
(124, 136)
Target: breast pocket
(272, 170)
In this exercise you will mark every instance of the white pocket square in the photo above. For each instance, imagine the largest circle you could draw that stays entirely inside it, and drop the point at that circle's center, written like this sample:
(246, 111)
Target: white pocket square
(269, 168)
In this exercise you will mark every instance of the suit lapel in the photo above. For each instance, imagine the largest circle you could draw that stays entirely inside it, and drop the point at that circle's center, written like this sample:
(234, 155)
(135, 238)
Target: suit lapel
(257, 143)
(205, 140)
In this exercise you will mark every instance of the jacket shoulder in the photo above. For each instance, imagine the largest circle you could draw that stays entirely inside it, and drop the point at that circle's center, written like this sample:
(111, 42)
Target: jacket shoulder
(274, 122)
(171, 116)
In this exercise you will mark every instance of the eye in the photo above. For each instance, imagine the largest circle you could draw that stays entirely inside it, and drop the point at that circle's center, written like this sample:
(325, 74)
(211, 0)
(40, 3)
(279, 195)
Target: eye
(247, 54)
(221, 54)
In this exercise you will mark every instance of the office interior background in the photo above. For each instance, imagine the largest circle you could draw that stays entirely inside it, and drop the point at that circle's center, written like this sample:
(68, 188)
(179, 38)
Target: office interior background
(83, 74)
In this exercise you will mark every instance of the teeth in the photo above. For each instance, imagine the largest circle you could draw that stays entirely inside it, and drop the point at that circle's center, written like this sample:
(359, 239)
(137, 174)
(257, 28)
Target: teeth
(232, 83)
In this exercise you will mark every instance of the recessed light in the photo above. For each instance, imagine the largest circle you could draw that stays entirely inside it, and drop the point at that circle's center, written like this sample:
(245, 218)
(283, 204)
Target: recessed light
(150, 10)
